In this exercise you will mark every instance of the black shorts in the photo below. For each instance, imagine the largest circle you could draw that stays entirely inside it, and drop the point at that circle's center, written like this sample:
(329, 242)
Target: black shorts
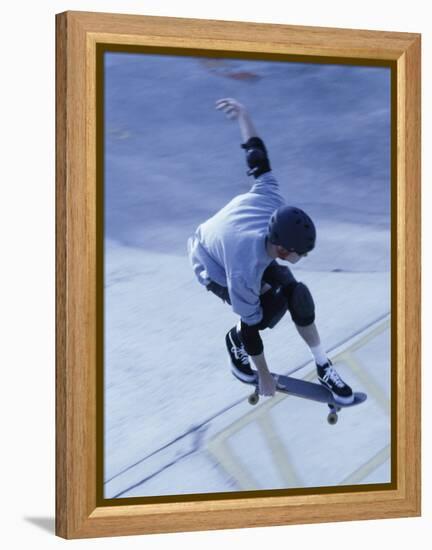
(273, 302)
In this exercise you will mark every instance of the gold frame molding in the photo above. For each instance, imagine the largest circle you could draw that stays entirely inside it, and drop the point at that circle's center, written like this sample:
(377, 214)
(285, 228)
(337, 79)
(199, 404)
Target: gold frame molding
(80, 512)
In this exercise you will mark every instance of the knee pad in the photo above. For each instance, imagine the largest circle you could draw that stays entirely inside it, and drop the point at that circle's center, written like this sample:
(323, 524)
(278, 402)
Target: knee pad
(301, 305)
(274, 306)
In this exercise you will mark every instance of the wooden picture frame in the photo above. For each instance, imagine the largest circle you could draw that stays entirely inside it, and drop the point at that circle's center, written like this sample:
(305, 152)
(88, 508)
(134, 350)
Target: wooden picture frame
(80, 510)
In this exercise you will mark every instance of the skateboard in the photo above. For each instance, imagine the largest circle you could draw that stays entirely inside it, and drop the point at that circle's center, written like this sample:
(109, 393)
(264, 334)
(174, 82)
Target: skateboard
(308, 390)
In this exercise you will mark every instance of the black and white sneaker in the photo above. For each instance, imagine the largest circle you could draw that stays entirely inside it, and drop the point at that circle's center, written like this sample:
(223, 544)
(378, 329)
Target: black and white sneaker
(239, 358)
(329, 378)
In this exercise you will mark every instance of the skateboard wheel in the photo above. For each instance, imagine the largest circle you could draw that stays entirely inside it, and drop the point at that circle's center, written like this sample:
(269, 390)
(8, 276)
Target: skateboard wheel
(332, 418)
(253, 399)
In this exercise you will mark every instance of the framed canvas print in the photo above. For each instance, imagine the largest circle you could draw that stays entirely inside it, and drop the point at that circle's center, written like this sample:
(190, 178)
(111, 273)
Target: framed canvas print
(238, 274)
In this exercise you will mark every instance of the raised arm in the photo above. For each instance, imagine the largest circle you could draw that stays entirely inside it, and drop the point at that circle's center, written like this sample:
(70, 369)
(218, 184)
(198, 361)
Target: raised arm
(235, 110)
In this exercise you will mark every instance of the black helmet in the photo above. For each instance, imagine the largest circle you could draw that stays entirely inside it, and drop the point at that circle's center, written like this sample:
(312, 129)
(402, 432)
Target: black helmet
(292, 228)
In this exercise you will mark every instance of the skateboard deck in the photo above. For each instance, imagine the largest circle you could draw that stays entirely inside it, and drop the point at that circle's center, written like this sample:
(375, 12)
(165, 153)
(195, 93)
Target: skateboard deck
(308, 390)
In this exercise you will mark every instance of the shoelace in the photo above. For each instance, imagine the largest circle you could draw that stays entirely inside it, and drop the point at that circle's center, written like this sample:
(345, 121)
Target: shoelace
(240, 353)
(333, 376)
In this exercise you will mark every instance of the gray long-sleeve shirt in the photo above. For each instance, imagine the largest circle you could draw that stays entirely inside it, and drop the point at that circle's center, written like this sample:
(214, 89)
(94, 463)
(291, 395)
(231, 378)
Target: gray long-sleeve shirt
(230, 247)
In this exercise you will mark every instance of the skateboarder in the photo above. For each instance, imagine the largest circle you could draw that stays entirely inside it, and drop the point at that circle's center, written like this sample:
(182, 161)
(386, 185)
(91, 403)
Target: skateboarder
(234, 253)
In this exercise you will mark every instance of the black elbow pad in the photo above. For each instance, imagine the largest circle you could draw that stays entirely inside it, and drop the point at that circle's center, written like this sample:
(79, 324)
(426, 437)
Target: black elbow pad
(251, 339)
(256, 157)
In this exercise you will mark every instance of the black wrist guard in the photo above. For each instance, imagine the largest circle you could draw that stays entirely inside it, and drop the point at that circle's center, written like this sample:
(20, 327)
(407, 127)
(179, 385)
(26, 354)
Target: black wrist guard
(256, 157)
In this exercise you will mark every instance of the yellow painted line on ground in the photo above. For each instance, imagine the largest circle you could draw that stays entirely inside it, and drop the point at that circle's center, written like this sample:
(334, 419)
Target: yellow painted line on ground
(232, 465)
(366, 381)
(219, 446)
(279, 453)
(368, 467)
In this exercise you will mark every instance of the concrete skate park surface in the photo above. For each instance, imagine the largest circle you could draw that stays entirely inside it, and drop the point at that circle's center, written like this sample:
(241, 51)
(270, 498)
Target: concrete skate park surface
(168, 388)
(171, 160)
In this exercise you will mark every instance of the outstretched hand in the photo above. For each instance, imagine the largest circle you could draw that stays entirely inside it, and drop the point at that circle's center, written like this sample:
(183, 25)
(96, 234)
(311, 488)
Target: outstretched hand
(231, 107)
